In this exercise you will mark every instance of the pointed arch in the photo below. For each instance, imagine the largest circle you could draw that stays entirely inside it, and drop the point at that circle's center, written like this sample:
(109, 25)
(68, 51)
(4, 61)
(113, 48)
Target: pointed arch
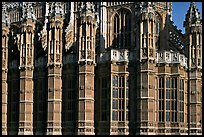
(121, 31)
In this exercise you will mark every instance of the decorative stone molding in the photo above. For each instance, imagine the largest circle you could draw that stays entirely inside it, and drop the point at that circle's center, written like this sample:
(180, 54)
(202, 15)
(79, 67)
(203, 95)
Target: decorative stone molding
(116, 56)
(169, 57)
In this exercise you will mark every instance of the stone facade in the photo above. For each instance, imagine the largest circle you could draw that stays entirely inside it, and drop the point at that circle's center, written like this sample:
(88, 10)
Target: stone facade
(100, 68)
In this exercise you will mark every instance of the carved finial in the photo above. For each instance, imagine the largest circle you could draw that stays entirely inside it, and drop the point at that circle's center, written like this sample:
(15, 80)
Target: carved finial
(28, 10)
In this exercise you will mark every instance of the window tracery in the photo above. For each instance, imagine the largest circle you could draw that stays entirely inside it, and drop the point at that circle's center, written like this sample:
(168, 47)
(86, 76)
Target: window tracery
(122, 29)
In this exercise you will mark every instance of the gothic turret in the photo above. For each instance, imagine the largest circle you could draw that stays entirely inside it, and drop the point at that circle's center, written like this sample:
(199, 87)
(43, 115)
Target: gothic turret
(26, 70)
(54, 68)
(5, 37)
(147, 22)
(86, 60)
(146, 63)
(193, 28)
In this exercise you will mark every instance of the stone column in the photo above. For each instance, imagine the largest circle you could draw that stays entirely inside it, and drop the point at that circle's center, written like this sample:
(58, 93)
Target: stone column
(54, 69)
(26, 78)
(5, 31)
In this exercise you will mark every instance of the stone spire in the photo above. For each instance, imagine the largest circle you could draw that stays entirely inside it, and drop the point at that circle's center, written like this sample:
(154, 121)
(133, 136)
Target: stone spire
(5, 17)
(28, 10)
(193, 15)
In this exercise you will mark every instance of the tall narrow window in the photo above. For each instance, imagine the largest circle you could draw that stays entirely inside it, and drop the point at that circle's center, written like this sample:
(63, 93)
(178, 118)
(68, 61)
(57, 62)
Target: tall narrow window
(161, 98)
(23, 53)
(116, 31)
(181, 100)
(174, 99)
(120, 99)
(168, 99)
(115, 96)
(157, 29)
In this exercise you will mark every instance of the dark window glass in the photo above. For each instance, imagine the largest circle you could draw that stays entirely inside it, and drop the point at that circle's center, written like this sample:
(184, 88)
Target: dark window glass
(161, 105)
(167, 105)
(182, 106)
(181, 117)
(127, 104)
(173, 105)
(127, 81)
(174, 82)
(174, 116)
(167, 116)
(127, 115)
(181, 84)
(115, 115)
(115, 93)
(161, 116)
(173, 94)
(161, 94)
(167, 82)
(104, 116)
(127, 93)
(115, 104)
(167, 94)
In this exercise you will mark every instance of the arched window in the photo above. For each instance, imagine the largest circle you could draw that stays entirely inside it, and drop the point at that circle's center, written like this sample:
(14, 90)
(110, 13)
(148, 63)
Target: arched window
(116, 31)
(158, 24)
(122, 29)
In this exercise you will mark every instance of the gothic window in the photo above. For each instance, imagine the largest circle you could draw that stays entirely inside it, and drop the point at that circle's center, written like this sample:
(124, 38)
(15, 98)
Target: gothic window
(120, 97)
(170, 97)
(122, 29)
